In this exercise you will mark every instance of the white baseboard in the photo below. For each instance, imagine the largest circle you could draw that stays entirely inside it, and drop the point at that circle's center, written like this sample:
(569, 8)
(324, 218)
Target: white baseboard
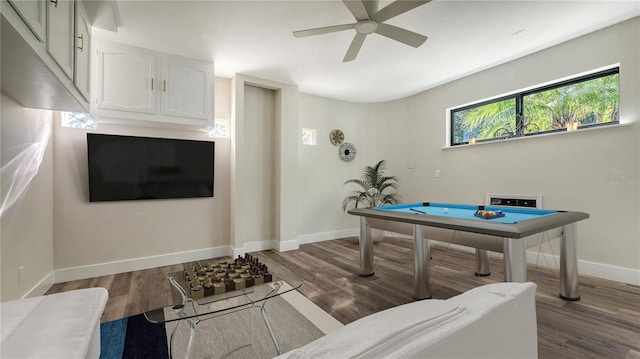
(326, 236)
(128, 265)
(42, 287)
(593, 269)
(599, 270)
(255, 246)
(283, 246)
(288, 245)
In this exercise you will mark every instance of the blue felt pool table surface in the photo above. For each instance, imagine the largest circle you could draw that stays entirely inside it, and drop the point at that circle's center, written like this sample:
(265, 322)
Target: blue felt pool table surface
(511, 215)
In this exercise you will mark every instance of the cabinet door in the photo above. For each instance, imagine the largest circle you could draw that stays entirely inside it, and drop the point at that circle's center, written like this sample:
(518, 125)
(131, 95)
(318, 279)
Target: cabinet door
(186, 88)
(60, 14)
(82, 73)
(33, 13)
(126, 79)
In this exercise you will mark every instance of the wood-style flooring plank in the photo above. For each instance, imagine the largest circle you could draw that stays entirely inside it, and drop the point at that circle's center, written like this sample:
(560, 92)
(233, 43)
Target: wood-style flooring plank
(115, 308)
(605, 323)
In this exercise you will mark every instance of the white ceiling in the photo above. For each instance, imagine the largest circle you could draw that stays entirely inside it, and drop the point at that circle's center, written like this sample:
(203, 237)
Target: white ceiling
(255, 38)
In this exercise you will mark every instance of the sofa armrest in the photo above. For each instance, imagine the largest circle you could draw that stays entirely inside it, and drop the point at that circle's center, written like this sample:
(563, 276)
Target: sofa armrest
(493, 321)
(62, 325)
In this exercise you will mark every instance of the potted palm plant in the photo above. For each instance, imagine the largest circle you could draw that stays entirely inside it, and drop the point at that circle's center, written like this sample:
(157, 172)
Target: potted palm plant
(376, 189)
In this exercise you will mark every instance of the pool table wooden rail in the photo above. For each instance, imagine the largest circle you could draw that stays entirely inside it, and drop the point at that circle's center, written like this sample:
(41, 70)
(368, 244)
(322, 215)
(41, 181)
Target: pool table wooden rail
(510, 230)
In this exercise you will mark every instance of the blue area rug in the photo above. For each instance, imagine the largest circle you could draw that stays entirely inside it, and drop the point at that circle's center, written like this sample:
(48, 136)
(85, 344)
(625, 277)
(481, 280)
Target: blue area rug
(132, 337)
(238, 335)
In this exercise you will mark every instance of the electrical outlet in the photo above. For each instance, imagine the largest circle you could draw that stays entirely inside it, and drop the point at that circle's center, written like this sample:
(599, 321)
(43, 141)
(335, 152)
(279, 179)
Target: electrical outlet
(437, 173)
(20, 274)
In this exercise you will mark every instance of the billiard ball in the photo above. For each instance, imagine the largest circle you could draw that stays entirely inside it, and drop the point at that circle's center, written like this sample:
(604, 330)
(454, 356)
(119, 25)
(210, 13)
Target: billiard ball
(446, 210)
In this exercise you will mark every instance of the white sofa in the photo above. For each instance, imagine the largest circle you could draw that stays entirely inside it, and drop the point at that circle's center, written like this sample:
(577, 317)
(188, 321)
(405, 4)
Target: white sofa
(492, 321)
(64, 325)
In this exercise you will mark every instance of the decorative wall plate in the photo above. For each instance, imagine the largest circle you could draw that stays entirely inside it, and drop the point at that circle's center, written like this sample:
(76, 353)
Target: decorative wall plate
(336, 137)
(347, 152)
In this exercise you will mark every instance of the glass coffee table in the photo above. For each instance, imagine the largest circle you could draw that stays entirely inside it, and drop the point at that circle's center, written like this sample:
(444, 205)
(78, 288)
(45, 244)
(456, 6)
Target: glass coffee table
(210, 290)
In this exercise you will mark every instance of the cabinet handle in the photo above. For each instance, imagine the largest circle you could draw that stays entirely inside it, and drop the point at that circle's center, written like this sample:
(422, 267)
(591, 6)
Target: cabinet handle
(164, 85)
(152, 84)
(81, 38)
(55, 3)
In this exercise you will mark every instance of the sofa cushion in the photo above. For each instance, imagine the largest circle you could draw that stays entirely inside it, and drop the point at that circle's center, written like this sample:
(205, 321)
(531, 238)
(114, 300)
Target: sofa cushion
(15, 312)
(59, 325)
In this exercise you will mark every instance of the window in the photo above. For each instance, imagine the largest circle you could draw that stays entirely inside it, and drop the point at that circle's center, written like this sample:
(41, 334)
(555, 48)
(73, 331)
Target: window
(78, 120)
(587, 101)
(220, 128)
(309, 136)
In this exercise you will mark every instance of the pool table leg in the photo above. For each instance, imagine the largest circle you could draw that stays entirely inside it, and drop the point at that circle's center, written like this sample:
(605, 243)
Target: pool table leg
(482, 263)
(515, 260)
(422, 271)
(569, 264)
(366, 249)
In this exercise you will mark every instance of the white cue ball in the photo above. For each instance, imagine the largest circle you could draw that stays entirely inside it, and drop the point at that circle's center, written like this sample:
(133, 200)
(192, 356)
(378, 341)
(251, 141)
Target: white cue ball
(446, 210)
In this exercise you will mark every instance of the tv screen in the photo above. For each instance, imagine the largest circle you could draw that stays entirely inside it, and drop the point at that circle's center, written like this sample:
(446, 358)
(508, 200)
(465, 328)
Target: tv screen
(130, 168)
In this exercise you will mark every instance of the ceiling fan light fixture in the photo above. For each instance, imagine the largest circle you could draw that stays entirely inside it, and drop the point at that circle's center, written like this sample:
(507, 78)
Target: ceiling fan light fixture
(366, 27)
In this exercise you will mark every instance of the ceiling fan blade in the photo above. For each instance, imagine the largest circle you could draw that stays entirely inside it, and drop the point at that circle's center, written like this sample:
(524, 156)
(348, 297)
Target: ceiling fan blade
(357, 9)
(323, 30)
(354, 48)
(405, 36)
(396, 8)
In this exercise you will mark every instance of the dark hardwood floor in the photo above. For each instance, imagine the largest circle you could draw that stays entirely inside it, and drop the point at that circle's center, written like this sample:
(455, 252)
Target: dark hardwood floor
(605, 323)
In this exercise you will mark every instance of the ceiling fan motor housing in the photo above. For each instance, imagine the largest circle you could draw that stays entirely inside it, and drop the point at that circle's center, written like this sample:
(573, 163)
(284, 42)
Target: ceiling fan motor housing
(366, 27)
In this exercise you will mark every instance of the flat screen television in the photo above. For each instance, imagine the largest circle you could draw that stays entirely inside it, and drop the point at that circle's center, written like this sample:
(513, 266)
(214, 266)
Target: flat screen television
(132, 168)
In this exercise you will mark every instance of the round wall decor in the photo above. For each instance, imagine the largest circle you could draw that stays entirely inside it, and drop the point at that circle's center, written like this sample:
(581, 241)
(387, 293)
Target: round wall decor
(336, 137)
(347, 152)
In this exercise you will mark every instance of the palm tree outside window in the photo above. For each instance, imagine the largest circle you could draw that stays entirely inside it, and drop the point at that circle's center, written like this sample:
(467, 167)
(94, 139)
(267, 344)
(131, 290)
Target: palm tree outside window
(587, 101)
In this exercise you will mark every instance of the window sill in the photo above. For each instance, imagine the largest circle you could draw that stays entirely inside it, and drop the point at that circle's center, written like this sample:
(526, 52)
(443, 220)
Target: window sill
(588, 129)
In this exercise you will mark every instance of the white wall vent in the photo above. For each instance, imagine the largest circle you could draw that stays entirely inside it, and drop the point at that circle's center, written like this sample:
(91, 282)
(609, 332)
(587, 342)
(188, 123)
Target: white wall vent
(514, 200)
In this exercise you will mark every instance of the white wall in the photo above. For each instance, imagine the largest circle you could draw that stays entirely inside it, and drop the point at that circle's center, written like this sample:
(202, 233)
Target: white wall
(57, 235)
(282, 106)
(26, 237)
(570, 170)
(101, 232)
(222, 98)
(258, 192)
(321, 172)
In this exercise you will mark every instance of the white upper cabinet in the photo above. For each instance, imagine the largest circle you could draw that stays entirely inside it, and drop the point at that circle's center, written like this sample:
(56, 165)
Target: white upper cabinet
(60, 33)
(140, 84)
(38, 47)
(186, 88)
(126, 79)
(82, 74)
(33, 13)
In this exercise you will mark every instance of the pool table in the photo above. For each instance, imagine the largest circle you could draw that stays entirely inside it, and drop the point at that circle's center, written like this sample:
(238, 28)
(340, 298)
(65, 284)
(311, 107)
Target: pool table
(508, 231)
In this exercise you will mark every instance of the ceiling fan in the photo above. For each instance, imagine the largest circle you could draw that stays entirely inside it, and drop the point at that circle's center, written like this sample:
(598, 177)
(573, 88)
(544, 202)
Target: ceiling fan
(370, 20)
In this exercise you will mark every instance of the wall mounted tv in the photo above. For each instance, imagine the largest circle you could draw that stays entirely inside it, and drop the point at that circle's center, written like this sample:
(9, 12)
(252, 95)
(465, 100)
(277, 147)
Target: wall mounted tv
(130, 168)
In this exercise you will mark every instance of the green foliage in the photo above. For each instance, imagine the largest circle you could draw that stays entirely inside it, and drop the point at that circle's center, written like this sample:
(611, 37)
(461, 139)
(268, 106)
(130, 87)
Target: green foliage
(588, 102)
(78, 120)
(483, 121)
(594, 101)
(376, 188)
